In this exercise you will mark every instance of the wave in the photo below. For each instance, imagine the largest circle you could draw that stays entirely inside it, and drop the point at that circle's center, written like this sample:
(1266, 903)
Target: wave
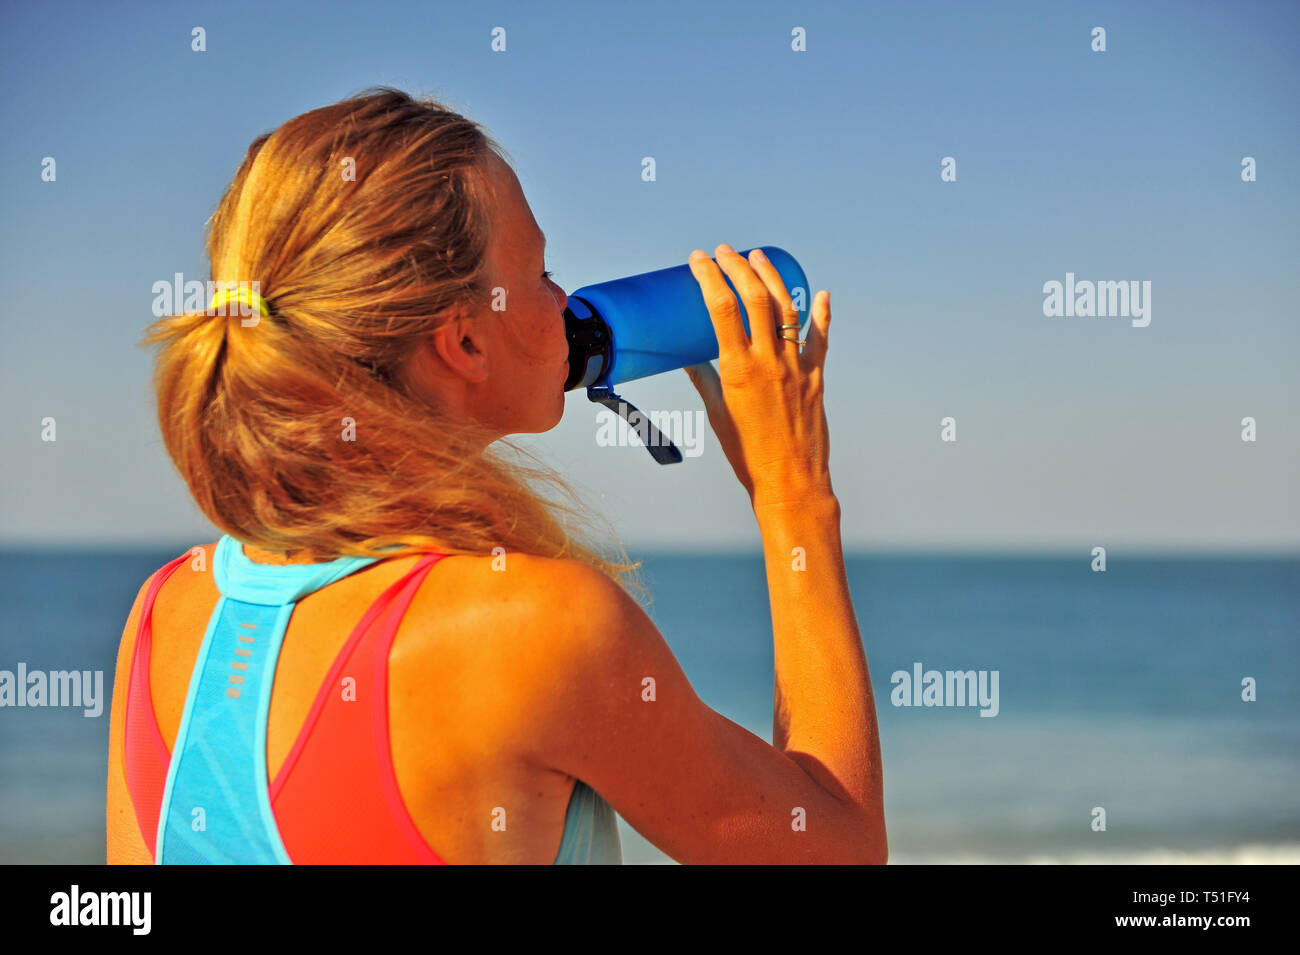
(1252, 854)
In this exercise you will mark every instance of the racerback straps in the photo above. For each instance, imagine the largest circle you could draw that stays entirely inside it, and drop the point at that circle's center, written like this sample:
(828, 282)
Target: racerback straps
(215, 805)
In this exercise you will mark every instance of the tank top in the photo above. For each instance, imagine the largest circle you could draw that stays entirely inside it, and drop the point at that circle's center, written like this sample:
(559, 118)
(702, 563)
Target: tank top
(335, 800)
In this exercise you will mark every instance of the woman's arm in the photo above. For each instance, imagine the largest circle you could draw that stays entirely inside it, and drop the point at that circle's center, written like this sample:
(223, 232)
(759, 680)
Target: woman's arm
(824, 713)
(694, 783)
(616, 711)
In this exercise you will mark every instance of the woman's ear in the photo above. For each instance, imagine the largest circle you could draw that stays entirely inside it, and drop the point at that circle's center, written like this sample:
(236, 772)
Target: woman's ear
(462, 346)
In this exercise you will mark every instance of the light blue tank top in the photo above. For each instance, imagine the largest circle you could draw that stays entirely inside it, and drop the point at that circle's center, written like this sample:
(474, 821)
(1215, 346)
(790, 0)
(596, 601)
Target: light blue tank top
(228, 775)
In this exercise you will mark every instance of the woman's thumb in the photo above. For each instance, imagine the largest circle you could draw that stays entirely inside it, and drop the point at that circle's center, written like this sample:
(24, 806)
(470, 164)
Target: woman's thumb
(706, 381)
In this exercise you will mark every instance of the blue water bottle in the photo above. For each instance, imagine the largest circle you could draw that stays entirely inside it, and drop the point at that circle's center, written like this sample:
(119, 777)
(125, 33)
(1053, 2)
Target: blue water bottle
(650, 323)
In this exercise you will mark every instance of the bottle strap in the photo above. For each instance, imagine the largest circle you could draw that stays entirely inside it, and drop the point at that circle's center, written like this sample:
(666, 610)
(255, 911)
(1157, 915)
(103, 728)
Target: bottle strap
(657, 443)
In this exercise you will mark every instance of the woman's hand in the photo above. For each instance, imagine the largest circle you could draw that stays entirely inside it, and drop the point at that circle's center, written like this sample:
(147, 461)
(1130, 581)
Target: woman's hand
(764, 400)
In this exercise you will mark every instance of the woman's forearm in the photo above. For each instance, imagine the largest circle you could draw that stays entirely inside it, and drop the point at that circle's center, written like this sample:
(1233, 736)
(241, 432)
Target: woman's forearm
(825, 715)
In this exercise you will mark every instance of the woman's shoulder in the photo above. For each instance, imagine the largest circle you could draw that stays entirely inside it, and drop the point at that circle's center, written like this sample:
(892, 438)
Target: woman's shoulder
(513, 588)
(519, 621)
(509, 634)
(160, 583)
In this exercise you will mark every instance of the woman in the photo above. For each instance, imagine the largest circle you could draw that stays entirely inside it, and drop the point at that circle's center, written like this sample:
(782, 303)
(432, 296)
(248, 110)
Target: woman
(457, 676)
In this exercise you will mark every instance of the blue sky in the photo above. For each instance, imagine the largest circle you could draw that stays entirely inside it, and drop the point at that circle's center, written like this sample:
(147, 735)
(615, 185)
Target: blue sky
(1072, 432)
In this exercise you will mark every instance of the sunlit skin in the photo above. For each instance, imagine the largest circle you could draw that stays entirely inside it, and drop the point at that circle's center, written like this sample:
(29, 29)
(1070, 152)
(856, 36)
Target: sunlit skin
(502, 367)
(506, 686)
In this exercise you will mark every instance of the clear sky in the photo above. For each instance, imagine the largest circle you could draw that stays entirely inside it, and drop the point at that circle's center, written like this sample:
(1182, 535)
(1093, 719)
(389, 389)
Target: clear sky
(1071, 432)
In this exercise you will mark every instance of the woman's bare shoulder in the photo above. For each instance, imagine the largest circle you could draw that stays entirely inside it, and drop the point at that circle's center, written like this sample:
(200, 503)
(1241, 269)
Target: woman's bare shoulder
(512, 588)
(507, 633)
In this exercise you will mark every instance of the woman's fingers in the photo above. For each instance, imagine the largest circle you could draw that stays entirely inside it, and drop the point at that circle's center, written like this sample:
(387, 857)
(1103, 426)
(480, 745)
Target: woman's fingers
(758, 301)
(814, 353)
(723, 308)
(705, 378)
(708, 383)
(786, 313)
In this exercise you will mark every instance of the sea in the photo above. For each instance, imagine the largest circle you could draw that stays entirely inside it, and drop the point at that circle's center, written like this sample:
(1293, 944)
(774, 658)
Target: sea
(1149, 712)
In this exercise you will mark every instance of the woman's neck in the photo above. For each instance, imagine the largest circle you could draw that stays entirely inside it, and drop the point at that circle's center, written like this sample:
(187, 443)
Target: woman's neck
(261, 556)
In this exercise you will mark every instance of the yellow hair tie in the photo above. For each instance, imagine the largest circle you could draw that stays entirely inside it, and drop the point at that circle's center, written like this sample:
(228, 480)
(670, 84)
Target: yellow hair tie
(241, 294)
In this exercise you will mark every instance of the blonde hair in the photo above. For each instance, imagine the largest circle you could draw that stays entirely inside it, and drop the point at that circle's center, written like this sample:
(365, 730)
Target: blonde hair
(357, 273)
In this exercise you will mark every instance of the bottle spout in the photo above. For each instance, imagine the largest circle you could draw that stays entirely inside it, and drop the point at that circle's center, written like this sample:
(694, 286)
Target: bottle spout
(590, 344)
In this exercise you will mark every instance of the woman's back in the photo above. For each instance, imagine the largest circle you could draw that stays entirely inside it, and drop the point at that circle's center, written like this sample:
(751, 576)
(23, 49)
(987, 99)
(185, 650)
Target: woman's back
(456, 666)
